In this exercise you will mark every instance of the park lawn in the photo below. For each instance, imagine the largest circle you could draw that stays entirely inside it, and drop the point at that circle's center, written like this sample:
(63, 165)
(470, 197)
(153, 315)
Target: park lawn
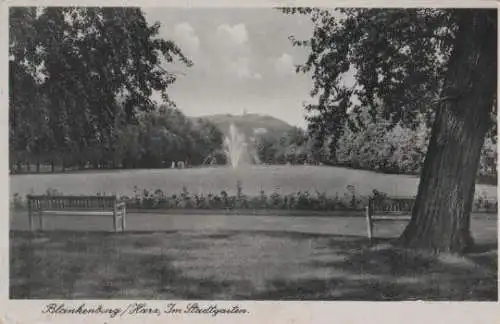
(212, 180)
(240, 265)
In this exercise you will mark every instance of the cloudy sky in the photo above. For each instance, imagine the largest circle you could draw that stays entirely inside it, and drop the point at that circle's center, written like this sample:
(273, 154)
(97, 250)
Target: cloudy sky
(243, 60)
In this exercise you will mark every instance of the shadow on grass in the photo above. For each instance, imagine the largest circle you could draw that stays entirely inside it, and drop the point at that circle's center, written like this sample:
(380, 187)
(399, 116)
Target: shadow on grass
(386, 273)
(69, 265)
(51, 265)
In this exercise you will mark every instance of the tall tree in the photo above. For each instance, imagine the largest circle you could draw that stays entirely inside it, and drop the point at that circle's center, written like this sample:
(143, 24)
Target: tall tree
(437, 62)
(26, 110)
(82, 59)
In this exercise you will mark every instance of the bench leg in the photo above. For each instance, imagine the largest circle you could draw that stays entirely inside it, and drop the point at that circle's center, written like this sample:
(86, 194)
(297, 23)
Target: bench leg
(124, 212)
(369, 222)
(40, 216)
(115, 221)
(30, 216)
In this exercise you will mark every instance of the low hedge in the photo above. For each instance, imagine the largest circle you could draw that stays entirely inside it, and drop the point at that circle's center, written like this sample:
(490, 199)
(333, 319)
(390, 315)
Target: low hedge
(302, 200)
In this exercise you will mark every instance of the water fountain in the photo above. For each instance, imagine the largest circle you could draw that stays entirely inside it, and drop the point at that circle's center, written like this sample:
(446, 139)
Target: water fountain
(235, 146)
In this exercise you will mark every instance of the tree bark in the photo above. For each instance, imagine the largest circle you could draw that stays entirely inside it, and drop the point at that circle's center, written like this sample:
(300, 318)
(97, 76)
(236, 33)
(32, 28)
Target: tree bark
(441, 217)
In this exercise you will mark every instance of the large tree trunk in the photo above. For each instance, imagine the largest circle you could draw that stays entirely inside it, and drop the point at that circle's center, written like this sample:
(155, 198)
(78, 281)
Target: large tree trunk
(441, 217)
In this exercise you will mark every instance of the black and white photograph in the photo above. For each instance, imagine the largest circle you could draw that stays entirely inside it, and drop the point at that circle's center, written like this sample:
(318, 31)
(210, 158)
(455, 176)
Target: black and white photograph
(252, 153)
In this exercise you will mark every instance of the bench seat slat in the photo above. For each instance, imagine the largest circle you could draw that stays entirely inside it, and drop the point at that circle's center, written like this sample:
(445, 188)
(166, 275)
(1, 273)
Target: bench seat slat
(101, 199)
(78, 213)
(96, 208)
(391, 212)
(394, 217)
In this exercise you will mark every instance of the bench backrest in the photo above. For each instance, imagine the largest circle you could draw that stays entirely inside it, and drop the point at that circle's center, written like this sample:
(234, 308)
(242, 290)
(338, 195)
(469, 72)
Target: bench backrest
(71, 202)
(391, 205)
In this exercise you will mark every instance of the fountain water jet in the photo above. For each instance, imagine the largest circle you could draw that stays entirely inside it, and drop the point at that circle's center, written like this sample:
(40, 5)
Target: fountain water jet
(235, 146)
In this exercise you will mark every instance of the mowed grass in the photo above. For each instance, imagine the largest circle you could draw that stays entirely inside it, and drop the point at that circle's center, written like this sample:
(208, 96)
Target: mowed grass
(224, 262)
(283, 179)
(231, 257)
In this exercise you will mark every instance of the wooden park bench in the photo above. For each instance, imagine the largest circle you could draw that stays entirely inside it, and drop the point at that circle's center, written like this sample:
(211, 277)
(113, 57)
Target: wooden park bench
(77, 206)
(387, 208)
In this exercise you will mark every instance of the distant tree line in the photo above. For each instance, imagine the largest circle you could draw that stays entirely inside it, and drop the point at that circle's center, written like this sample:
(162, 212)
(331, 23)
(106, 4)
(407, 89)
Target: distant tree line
(167, 136)
(154, 140)
(292, 147)
(365, 142)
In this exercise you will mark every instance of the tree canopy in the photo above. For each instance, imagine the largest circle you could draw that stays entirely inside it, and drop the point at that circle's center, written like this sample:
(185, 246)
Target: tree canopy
(72, 69)
(398, 57)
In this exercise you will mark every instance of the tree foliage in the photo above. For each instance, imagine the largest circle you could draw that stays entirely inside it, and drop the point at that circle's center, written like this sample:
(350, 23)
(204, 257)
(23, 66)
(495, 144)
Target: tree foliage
(432, 65)
(73, 69)
(165, 136)
(293, 147)
(398, 58)
(374, 147)
(153, 140)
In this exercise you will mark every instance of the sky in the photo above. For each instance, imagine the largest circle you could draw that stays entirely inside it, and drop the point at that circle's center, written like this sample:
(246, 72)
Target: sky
(243, 60)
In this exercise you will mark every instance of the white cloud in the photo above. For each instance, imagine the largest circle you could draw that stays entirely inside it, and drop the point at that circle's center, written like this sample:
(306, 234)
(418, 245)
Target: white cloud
(187, 38)
(241, 68)
(236, 35)
(284, 65)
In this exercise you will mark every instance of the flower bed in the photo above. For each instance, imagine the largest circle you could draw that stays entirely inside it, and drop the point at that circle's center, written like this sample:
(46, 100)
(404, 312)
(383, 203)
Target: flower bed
(302, 200)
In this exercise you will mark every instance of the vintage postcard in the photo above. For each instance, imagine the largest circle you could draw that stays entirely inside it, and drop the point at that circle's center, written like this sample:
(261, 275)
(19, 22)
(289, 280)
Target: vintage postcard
(250, 162)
